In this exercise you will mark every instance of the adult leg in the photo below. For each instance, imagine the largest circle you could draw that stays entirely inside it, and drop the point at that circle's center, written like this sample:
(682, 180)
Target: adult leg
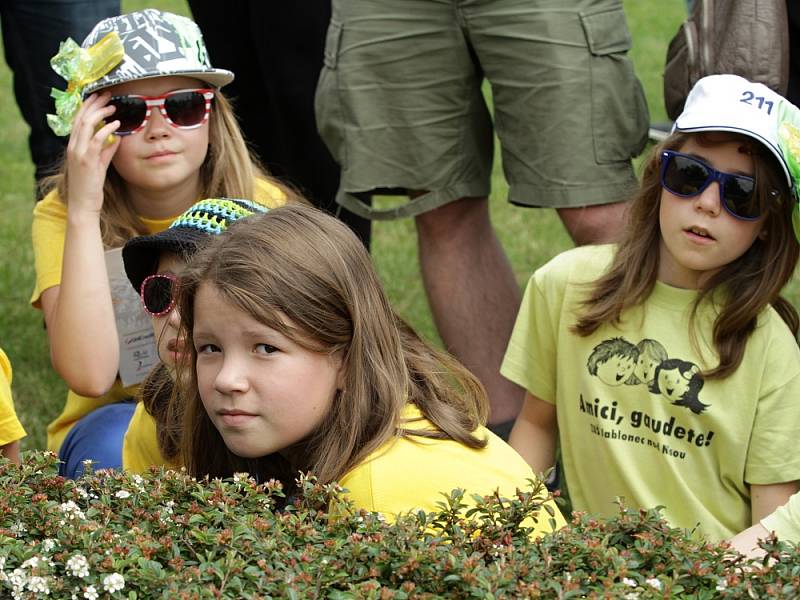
(32, 32)
(473, 294)
(598, 224)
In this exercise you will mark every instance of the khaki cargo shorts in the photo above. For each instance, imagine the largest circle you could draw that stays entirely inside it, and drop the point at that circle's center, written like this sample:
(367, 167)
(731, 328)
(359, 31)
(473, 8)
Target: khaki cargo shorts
(400, 106)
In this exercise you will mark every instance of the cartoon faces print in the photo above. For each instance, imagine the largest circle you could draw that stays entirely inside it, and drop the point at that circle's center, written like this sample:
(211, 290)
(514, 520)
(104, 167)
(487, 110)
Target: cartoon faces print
(651, 354)
(680, 382)
(613, 361)
(617, 361)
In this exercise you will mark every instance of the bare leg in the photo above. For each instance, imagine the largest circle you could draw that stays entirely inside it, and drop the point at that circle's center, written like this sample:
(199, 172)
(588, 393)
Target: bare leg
(598, 224)
(473, 294)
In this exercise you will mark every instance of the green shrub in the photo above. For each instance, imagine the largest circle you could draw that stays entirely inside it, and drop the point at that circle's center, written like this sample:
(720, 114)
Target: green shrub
(168, 536)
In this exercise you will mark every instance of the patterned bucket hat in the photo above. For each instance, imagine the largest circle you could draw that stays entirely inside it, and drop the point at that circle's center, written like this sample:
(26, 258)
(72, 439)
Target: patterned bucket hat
(185, 235)
(156, 44)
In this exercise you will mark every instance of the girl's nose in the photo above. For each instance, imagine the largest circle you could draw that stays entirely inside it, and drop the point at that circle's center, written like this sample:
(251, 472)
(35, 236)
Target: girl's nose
(174, 318)
(157, 125)
(231, 378)
(709, 200)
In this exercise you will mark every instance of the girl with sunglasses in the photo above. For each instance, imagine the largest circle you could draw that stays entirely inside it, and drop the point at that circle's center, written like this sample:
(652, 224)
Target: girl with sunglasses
(153, 264)
(153, 135)
(709, 244)
(298, 363)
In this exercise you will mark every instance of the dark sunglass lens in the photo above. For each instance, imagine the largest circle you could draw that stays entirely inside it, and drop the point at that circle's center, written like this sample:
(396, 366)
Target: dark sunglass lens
(130, 113)
(685, 176)
(157, 294)
(740, 197)
(186, 108)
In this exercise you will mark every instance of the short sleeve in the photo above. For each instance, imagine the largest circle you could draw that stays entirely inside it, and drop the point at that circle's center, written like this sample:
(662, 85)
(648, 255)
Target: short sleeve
(47, 233)
(11, 429)
(772, 456)
(532, 354)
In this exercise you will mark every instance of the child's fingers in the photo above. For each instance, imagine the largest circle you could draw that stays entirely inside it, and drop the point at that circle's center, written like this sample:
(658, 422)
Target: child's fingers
(108, 141)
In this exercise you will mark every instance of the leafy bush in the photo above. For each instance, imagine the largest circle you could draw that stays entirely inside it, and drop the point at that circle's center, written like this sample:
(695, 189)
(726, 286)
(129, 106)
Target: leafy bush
(168, 536)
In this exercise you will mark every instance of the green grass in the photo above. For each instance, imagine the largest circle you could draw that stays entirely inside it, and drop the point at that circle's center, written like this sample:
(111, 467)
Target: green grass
(530, 236)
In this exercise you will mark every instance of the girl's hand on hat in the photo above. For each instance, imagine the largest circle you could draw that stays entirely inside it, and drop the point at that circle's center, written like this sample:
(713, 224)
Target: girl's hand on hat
(89, 153)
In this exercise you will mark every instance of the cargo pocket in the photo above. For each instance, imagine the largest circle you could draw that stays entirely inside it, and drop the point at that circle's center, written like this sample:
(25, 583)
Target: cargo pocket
(620, 118)
(327, 100)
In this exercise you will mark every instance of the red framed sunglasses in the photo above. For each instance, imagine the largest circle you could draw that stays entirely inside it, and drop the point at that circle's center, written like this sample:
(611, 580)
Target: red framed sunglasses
(183, 109)
(158, 293)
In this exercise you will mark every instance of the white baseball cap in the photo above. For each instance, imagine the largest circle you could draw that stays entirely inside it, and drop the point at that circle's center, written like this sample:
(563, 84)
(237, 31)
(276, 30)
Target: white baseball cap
(732, 103)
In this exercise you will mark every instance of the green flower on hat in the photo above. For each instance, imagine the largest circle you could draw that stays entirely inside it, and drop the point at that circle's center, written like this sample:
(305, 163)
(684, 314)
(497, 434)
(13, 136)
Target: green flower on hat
(789, 142)
(80, 67)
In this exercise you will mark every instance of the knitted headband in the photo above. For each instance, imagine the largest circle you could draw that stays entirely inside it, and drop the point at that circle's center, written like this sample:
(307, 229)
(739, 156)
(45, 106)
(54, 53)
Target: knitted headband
(185, 234)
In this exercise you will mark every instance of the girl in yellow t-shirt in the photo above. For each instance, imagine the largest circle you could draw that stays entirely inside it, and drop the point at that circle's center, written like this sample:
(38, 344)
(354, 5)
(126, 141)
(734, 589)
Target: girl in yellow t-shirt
(153, 264)
(11, 431)
(666, 367)
(152, 136)
(302, 365)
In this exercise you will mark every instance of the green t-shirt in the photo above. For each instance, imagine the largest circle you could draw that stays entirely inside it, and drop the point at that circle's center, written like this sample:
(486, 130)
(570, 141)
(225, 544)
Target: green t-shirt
(636, 418)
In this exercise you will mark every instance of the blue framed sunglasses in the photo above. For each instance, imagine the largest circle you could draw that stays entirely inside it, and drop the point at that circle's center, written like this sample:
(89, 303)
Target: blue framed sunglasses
(687, 176)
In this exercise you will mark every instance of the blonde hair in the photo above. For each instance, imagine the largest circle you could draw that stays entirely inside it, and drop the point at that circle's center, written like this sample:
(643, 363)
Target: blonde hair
(750, 283)
(228, 170)
(300, 264)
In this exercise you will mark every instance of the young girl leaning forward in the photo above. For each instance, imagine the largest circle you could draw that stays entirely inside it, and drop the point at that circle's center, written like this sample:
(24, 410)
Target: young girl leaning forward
(301, 364)
(153, 135)
(667, 366)
(154, 264)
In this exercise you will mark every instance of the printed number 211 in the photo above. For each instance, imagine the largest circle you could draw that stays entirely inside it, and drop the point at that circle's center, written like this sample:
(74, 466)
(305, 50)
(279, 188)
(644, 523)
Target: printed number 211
(748, 97)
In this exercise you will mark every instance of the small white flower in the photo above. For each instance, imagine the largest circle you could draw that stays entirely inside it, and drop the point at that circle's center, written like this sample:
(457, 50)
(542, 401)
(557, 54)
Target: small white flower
(123, 494)
(113, 583)
(90, 593)
(18, 528)
(49, 544)
(722, 584)
(71, 510)
(629, 581)
(81, 492)
(241, 477)
(138, 479)
(653, 583)
(78, 566)
(39, 585)
(18, 579)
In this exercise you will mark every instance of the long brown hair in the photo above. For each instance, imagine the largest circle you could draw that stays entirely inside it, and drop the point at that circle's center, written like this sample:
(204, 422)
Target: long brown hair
(300, 264)
(755, 279)
(229, 170)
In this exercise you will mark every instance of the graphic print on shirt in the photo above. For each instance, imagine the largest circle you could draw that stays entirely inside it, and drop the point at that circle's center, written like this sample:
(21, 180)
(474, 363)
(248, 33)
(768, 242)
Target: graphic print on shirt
(631, 382)
(616, 361)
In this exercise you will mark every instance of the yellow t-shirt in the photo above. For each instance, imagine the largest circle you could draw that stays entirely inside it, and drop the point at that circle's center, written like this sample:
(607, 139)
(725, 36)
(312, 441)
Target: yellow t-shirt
(636, 419)
(411, 473)
(10, 428)
(48, 232)
(140, 448)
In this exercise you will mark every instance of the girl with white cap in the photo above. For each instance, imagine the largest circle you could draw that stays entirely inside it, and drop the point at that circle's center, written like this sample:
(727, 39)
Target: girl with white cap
(150, 134)
(708, 247)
